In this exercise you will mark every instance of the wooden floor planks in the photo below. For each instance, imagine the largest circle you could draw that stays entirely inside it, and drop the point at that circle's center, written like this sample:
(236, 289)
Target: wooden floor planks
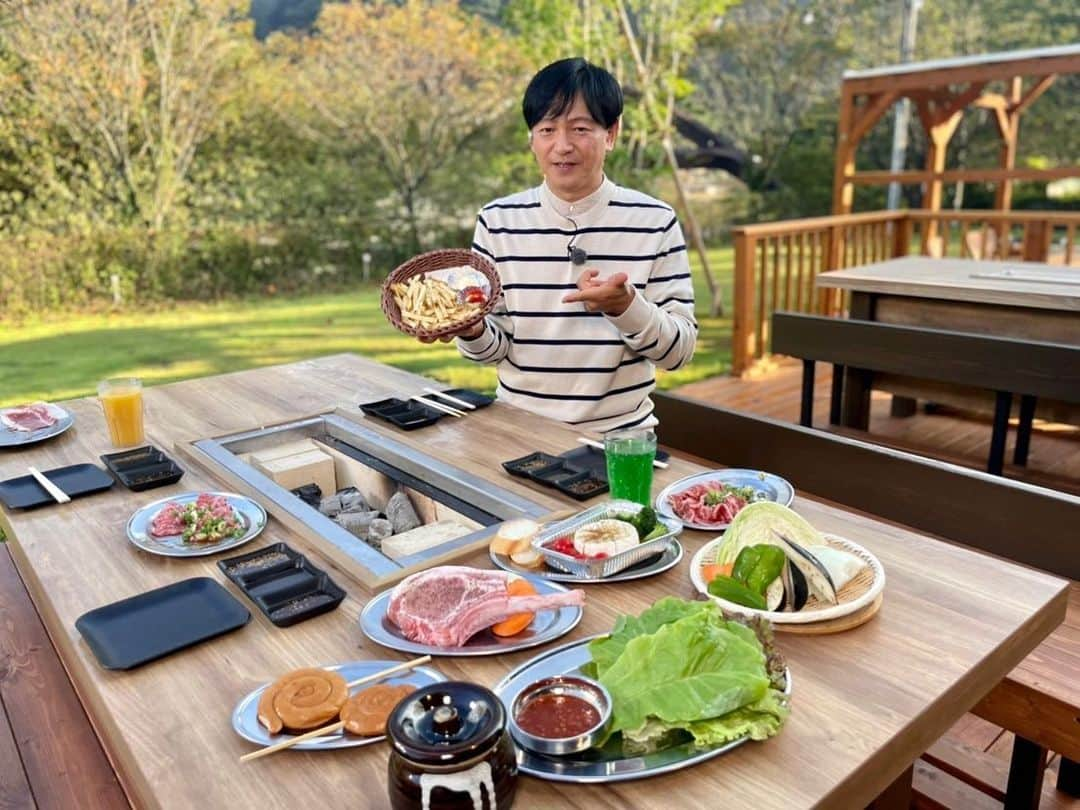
(59, 755)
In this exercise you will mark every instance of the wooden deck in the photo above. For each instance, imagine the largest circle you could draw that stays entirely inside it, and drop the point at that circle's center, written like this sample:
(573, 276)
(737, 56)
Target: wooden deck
(774, 389)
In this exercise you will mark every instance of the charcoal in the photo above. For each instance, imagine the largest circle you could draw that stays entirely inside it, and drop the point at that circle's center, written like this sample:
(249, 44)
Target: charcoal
(379, 530)
(357, 523)
(311, 494)
(401, 514)
(352, 501)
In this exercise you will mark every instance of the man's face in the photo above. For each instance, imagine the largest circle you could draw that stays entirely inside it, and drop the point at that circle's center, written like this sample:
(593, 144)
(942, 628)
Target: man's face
(571, 150)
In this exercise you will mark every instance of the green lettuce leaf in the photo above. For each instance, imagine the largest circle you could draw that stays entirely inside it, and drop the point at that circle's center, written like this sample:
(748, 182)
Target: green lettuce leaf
(681, 667)
(606, 651)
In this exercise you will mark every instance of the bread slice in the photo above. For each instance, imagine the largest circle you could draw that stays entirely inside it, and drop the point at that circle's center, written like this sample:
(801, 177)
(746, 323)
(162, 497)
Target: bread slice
(514, 536)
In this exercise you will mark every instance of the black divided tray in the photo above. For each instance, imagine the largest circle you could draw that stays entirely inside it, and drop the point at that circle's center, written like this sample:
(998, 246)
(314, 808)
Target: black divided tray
(283, 584)
(405, 414)
(77, 480)
(410, 414)
(142, 628)
(580, 473)
(143, 468)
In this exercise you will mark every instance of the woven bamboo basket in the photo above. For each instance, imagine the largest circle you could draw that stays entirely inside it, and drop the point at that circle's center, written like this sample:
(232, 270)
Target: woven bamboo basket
(439, 260)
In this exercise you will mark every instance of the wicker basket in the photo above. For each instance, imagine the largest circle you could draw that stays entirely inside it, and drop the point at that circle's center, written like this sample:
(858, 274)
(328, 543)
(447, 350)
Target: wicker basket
(439, 260)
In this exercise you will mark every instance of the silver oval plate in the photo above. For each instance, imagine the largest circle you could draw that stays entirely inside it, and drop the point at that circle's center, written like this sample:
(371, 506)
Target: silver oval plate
(770, 488)
(607, 764)
(657, 564)
(17, 438)
(548, 625)
(250, 514)
(245, 717)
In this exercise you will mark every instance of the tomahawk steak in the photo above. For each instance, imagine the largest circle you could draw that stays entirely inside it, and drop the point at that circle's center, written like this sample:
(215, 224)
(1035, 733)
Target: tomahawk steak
(447, 605)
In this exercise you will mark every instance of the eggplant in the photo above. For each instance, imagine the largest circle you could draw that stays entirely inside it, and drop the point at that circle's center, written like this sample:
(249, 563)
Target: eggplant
(816, 576)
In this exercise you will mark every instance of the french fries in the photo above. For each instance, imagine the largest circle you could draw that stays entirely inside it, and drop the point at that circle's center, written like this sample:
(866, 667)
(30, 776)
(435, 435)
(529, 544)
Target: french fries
(430, 303)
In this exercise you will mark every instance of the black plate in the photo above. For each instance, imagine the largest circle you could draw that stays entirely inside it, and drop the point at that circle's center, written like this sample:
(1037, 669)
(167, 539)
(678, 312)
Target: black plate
(150, 625)
(284, 585)
(407, 415)
(77, 480)
(143, 468)
(474, 398)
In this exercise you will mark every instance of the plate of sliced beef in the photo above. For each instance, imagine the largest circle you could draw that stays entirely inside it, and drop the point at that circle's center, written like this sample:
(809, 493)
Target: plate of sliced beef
(195, 524)
(455, 610)
(34, 422)
(709, 501)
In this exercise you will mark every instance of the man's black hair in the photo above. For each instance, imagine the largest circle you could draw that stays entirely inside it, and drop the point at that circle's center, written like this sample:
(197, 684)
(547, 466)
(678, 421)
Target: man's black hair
(552, 91)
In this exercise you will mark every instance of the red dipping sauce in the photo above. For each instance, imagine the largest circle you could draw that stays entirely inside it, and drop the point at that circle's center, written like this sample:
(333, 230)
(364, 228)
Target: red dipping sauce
(556, 717)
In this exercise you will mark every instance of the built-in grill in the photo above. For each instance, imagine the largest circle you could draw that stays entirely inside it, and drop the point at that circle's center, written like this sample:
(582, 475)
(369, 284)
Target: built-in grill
(376, 465)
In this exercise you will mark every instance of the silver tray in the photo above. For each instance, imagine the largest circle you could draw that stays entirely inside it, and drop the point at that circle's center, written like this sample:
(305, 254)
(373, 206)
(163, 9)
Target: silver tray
(17, 438)
(547, 626)
(251, 515)
(245, 720)
(664, 561)
(770, 487)
(605, 568)
(607, 764)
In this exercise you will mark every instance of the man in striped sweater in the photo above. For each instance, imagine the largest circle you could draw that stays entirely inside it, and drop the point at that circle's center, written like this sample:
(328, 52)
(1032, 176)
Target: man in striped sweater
(596, 281)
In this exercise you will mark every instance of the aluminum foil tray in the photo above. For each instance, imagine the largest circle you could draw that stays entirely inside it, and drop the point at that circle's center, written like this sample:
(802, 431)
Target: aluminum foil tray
(609, 565)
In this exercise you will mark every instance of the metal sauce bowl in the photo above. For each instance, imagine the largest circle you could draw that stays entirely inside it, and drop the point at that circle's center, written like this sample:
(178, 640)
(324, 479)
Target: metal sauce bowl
(577, 686)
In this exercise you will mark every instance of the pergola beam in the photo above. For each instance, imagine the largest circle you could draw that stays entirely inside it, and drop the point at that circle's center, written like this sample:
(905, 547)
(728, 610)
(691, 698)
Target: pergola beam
(866, 95)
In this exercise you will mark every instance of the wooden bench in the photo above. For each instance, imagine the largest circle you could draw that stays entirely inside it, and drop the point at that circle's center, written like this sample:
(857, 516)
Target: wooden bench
(1005, 366)
(1040, 700)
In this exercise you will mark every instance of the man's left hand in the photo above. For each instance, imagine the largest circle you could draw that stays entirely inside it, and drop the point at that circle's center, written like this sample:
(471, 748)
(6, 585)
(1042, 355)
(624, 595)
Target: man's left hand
(611, 295)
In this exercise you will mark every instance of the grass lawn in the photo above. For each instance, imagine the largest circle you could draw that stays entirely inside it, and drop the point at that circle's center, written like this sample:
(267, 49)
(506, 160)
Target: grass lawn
(62, 357)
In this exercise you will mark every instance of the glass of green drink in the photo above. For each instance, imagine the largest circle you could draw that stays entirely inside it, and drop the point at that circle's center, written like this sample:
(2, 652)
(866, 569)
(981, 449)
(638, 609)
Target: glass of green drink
(629, 454)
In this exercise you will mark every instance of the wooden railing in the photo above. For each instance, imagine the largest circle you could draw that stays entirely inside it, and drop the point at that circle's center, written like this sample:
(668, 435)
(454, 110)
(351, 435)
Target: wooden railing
(776, 262)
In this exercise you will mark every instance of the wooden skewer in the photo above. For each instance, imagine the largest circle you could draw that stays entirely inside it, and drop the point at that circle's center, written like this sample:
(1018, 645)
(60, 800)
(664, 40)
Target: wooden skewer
(451, 399)
(330, 729)
(599, 446)
(439, 406)
(58, 494)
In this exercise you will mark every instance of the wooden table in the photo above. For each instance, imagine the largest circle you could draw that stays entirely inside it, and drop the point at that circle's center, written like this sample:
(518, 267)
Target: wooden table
(1007, 299)
(866, 703)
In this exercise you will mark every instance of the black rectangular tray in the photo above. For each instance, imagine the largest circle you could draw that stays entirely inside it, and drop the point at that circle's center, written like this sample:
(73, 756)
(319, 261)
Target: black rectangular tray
(143, 468)
(284, 585)
(77, 480)
(150, 625)
(580, 473)
(405, 414)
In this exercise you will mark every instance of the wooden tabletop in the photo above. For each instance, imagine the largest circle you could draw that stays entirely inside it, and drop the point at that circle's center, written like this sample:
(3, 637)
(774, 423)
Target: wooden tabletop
(866, 702)
(1022, 284)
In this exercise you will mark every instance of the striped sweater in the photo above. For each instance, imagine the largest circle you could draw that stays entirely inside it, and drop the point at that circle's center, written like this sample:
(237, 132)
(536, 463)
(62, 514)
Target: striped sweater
(558, 360)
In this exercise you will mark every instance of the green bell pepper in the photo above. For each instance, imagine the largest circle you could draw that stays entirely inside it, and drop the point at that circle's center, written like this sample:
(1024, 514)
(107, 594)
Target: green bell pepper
(757, 566)
(734, 591)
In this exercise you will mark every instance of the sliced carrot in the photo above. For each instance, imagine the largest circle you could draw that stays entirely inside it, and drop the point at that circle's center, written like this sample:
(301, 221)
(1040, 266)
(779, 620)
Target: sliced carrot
(713, 570)
(519, 621)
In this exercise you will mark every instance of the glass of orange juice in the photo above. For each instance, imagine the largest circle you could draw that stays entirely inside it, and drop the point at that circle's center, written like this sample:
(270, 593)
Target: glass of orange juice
(122, 400)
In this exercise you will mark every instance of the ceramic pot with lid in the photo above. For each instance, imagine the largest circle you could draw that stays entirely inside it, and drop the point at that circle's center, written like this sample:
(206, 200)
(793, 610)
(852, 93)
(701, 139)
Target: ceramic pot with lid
(450, 750)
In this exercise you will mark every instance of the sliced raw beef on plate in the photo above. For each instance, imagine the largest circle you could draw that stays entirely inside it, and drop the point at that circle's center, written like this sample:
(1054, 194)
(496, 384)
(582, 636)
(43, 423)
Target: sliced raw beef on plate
(27, 418)
(692, 504)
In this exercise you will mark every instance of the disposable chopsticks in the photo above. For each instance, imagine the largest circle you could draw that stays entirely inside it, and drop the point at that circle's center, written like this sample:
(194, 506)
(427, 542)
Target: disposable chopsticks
(600, 446)
(438, 406)
(58, 494)
(451, 399)
(319, 732)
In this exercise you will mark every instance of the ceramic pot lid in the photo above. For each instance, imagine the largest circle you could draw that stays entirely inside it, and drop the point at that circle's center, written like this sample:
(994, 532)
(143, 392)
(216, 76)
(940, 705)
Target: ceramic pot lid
(446, 723)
